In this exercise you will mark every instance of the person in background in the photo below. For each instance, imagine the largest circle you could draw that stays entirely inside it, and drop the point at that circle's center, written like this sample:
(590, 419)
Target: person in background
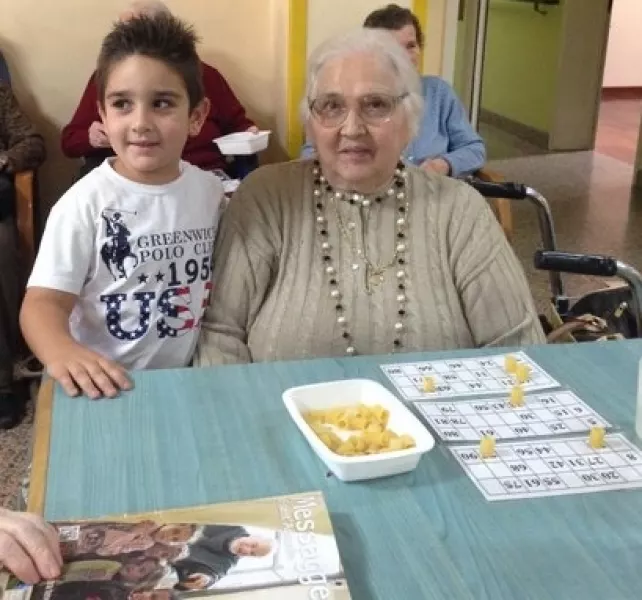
(29, 547)
(85, 137)
(445, 143)
(21, 148)
(356, 252)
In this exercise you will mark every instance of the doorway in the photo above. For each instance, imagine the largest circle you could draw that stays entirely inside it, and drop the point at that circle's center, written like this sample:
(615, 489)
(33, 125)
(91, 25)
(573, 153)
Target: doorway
(621, 98)
(530, 71)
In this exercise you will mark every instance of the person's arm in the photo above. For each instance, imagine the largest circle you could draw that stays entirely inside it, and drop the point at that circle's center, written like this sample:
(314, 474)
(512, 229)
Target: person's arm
(74, 139)
(243, 265)
(57, 278)
(29, 547)
(466, 149)
(25, 147)
(494, 293)
(227, 107)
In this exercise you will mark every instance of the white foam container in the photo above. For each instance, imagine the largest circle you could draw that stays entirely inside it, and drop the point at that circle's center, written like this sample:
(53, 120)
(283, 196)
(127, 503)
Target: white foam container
(243, 142)
(349, 392)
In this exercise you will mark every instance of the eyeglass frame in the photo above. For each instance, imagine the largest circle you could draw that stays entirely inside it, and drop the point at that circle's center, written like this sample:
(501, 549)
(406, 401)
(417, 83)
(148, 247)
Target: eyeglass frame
(397, 99)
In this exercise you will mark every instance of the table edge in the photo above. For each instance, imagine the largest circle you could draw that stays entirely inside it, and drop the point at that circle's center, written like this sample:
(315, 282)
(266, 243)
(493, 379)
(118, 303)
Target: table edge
(41, 446)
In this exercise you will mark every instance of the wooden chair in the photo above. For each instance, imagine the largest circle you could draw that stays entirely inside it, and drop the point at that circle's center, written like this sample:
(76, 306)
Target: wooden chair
(501, 206)
(26, 198)
(26, 214)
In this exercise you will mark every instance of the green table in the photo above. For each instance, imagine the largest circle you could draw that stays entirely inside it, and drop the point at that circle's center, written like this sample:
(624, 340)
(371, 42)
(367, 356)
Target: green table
(189, 437)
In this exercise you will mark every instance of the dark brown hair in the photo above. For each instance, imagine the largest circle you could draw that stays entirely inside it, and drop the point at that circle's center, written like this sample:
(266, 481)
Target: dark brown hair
(394, 17)
(162, 37)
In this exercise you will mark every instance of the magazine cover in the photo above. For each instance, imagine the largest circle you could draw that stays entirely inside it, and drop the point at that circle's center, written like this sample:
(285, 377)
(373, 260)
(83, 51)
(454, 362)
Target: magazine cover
(281, 547)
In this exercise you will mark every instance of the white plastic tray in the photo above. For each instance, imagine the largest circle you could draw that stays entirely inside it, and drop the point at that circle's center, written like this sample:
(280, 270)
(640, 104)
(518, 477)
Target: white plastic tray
(242, 143)
(349, 392)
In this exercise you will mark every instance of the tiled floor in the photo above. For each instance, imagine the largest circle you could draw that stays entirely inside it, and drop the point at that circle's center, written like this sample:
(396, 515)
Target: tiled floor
(593, 206)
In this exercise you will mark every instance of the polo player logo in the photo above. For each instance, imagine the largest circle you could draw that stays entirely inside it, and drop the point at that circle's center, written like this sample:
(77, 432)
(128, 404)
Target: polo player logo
(117, 250)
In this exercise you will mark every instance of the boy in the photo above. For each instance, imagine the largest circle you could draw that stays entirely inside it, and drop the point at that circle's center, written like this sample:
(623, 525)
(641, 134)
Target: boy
(123, 272)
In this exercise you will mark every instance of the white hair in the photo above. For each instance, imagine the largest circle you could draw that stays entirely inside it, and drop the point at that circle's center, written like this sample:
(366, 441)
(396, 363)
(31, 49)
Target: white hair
(148, 7)
(375, 42)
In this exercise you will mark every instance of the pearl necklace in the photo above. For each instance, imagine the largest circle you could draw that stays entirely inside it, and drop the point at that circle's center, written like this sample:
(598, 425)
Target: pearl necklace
(374, 274)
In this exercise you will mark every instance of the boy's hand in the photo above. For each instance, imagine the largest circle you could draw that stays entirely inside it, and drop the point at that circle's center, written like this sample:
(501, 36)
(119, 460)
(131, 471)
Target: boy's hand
(82, 371)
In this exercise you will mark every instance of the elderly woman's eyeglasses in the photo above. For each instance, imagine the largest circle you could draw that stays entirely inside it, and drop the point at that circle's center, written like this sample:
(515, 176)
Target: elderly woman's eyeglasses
(331, 110)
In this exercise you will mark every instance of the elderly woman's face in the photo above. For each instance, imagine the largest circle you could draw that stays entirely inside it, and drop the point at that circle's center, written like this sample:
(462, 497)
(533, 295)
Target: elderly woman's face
(362, 152)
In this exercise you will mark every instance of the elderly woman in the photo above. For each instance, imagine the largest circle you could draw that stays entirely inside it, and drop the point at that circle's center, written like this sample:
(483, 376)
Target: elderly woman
(445, 142)
(357, 253)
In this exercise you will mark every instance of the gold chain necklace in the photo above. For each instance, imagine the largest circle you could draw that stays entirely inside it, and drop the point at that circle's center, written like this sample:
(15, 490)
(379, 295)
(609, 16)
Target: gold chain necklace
(374, 273)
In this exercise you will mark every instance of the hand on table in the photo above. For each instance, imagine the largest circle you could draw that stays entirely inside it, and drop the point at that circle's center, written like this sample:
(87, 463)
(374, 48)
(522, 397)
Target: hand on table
(97, 135)
(82, 371)
(29, 547)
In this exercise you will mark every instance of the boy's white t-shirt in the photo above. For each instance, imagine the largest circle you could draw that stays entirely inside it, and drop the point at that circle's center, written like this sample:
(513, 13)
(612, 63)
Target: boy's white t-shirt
(139, 259)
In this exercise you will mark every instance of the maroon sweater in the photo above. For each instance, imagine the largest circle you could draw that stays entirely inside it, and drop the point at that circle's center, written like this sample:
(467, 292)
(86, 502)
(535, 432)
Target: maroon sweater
(226, 116)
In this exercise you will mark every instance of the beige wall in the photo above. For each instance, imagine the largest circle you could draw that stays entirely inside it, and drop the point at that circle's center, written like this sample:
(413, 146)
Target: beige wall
(324, 21)
(579, 76)
(332, 17)
(51, 48)
(625, 45)
(434, 34)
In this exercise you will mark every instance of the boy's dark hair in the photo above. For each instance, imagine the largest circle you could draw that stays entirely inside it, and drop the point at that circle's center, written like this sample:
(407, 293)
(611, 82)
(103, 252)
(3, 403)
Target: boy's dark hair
(162, 37)
(394, 17)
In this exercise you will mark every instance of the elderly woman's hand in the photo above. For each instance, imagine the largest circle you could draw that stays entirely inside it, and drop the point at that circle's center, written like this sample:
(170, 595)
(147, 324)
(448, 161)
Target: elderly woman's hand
(436, 165)
(29, 547)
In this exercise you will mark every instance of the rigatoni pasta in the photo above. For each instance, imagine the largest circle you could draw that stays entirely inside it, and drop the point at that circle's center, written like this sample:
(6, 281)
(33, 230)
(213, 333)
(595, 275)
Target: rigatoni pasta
(370, 421)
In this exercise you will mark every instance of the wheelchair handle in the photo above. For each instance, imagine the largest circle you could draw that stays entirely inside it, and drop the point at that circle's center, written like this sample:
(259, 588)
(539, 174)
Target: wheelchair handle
(593, 264)
(493, 189)
(581, 264)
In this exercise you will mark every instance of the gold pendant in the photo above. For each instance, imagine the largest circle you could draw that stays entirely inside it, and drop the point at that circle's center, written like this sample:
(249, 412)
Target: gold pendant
(374, 277)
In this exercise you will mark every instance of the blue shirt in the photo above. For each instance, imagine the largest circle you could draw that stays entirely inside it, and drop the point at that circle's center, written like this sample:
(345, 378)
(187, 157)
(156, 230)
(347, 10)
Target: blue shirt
(444, 132)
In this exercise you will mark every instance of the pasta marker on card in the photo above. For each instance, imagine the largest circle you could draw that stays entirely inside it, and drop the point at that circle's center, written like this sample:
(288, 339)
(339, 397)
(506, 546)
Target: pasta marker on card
(428, 385)
(510, 363)
(516, 396)
(487, 446)
(596, 437)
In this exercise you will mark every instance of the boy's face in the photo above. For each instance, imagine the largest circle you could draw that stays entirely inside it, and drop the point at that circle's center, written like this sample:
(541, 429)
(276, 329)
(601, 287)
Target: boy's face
(147, 119)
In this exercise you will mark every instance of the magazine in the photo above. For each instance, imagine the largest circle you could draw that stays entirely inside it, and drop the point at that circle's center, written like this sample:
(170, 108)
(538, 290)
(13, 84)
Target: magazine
(269, 548)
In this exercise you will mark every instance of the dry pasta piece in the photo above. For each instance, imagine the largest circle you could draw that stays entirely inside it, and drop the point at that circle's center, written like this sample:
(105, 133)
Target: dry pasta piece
(370, 421)
(346, 449)
(407, 441)
(375, 428)
(395, 444)
(331, 440)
